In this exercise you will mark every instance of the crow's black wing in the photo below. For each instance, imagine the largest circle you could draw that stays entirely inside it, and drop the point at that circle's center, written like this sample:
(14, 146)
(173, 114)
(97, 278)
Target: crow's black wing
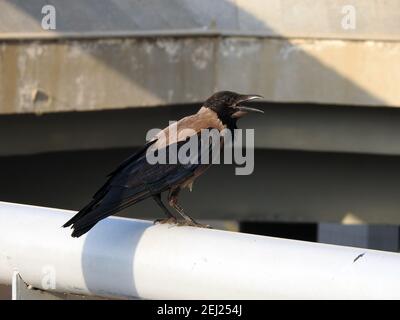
(103, 190)
(133, 181)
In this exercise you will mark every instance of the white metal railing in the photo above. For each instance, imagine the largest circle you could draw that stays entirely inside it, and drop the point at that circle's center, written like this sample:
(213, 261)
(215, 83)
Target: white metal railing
(133, 258)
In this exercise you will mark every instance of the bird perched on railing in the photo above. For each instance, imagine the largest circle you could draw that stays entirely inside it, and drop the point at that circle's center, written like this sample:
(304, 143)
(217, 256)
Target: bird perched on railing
(136, 179)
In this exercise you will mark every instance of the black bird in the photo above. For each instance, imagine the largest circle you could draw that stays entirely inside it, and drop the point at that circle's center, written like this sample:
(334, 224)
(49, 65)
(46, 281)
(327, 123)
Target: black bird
(135, 179)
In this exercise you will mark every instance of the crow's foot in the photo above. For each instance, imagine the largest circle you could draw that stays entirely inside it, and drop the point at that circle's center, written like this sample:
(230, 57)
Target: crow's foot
(165, 221)
(193, 224)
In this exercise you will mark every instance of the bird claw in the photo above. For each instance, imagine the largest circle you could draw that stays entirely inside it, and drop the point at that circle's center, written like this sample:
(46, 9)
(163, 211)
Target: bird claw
(181, 223)
(199, 225)
(193, 224)
(165, 221)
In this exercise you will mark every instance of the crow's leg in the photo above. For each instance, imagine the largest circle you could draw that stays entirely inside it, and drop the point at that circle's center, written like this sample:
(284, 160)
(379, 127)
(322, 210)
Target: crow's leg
(171, 218)
(173, 202)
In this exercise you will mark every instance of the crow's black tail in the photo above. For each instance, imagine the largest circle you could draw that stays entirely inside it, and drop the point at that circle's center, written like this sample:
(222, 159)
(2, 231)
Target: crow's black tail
(95, 211)
(78, 232)
(111, 198)
(74, 221)
(80, 214)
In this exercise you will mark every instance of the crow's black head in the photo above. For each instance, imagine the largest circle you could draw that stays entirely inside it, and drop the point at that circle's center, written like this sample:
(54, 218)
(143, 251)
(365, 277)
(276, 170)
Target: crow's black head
(227, 105)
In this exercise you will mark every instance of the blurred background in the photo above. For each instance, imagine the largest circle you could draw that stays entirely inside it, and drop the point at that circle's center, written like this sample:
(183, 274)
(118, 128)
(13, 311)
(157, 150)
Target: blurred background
(83, 81)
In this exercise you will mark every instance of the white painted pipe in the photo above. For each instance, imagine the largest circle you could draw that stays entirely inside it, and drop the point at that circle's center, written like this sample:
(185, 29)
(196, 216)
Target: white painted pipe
(133, 258)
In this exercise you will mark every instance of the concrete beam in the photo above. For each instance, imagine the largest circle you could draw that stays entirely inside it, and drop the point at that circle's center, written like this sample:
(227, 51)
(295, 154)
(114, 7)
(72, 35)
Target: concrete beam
(277, 18)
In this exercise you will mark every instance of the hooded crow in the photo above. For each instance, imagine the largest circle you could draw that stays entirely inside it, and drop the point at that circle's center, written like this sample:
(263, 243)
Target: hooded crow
(136, 179)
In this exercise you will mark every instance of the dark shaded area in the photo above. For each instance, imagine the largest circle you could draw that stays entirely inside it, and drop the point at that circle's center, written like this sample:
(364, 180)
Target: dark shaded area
(285, 186)
(297, 231)
(383, 237)
(106, 16)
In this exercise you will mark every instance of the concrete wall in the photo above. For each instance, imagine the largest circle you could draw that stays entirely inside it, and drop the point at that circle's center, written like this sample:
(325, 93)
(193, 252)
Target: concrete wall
(283, 126)
(37, 77)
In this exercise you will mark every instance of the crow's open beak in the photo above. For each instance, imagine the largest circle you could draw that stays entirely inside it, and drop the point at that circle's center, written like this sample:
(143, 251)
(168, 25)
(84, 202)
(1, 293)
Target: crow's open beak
(248, 97)
(242, 110)
(247, 109)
